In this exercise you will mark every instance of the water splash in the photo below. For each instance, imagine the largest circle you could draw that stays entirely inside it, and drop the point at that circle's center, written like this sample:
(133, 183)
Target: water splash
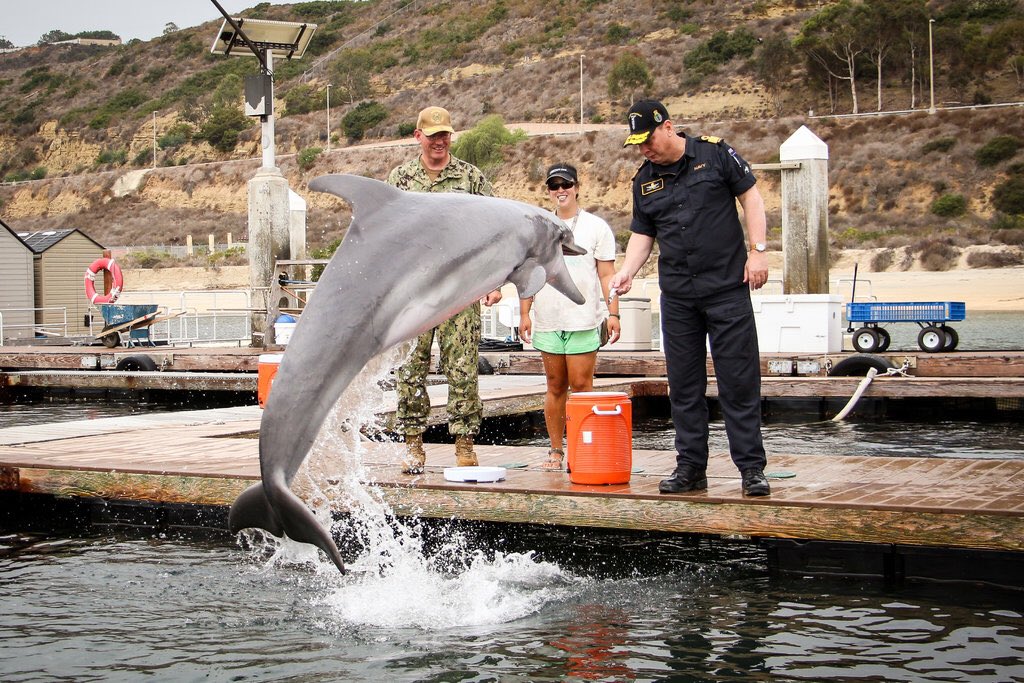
(396, 578)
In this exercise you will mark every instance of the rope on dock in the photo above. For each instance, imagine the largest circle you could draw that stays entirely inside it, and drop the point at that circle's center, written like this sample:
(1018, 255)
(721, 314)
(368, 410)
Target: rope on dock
(861, 388)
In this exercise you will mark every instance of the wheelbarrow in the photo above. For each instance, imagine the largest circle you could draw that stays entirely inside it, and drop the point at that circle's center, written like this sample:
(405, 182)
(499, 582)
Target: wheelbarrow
(133, 319)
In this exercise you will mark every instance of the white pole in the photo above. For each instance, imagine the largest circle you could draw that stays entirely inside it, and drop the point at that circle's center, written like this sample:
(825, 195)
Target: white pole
(268, 120)
(154, 139)
(581, 93)
(328, 117)
(931, 68)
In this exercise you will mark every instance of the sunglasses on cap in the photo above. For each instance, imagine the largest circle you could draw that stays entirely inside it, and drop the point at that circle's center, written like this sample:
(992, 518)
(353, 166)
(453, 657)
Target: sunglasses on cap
(561, 185)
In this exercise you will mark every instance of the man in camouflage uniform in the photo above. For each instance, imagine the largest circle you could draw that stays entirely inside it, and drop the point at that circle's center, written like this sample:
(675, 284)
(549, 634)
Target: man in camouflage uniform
(436, 170)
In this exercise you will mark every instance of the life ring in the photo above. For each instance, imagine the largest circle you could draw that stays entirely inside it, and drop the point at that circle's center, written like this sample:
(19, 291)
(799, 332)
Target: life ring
(109, 265)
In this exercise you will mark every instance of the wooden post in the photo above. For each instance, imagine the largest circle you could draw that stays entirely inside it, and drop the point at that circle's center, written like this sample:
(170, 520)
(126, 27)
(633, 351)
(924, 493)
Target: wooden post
(805, 214)
(212, 244)
(188, 245)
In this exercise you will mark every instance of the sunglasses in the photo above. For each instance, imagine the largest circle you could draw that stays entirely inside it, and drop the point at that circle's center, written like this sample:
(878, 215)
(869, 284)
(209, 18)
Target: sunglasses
(560, 186)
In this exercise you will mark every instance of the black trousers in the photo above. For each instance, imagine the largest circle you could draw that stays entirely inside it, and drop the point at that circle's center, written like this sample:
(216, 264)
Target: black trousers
(727, 321)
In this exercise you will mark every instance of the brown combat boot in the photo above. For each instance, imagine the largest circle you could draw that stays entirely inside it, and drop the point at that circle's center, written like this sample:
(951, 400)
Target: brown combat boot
(415, 456)
(464, 455)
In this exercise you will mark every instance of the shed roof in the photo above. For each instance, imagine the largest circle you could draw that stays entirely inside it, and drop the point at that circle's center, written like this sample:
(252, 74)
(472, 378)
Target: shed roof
(39, 242)
(9, 229)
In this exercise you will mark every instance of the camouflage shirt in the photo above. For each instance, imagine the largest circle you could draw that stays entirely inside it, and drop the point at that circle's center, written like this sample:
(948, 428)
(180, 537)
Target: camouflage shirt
(457, 176)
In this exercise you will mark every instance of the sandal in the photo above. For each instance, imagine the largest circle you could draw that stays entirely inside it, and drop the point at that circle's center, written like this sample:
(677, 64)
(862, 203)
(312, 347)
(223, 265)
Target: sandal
(554, 461)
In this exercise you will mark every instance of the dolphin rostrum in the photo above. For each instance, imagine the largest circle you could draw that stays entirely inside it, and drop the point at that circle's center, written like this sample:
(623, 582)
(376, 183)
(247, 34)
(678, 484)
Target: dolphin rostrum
(408, 262)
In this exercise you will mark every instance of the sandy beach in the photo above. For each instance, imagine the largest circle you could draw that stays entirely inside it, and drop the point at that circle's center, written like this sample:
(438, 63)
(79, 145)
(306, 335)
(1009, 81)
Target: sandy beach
(997, 289)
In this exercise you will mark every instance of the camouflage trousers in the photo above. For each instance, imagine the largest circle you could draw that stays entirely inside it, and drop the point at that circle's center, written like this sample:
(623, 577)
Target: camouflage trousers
(459, 342)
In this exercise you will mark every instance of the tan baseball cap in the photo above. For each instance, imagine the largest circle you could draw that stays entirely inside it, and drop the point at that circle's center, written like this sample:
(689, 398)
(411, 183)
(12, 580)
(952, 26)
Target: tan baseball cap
(434, 120)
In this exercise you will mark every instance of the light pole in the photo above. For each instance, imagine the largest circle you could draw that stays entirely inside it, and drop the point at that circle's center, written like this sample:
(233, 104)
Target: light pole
(154, 139)
(328, 117)
(581, 93)
(931, 68)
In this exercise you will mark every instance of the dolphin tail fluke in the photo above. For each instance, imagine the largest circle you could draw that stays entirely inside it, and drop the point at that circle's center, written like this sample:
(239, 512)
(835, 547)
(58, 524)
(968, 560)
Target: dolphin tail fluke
(289, 517)
(251, 510)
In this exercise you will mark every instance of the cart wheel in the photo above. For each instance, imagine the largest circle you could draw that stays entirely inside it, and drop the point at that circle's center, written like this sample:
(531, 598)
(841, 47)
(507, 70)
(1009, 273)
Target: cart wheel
(866, 340)
(952, 338)
(932, 339)
(883, 339)
(109, 340)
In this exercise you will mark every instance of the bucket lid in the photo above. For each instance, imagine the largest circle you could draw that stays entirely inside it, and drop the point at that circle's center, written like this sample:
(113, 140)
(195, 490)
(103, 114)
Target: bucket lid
(474, 474)
(271, 357)
(598, 394)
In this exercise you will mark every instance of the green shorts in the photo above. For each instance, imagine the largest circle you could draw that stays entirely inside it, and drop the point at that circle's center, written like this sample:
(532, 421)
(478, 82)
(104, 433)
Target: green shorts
(567, 343)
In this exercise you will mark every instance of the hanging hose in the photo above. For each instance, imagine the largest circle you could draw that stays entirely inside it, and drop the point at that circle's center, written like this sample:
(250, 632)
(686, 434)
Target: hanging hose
(861, 388)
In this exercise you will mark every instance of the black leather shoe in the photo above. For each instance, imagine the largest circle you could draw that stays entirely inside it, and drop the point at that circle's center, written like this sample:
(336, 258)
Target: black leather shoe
(685, 478)
(755, 483)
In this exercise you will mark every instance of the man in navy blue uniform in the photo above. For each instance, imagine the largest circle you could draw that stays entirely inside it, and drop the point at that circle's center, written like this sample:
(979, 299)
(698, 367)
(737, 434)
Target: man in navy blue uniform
(684, 197)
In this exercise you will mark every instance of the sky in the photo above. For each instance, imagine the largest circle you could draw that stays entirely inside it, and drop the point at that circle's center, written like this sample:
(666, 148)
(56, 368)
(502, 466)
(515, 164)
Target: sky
(23, 22)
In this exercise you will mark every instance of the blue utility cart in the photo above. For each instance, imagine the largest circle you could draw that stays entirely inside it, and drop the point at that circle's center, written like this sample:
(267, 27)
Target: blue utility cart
(930, 316)
(134, 319)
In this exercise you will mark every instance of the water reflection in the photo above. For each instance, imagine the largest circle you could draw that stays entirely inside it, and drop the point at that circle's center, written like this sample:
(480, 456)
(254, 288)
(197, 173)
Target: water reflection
(116, 608)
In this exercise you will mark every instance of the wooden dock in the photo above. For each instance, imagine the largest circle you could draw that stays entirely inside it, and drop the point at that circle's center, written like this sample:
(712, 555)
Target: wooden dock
(208, 457)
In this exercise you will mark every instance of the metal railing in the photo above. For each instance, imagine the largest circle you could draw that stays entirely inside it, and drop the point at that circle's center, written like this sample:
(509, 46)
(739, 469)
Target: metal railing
(58, 329)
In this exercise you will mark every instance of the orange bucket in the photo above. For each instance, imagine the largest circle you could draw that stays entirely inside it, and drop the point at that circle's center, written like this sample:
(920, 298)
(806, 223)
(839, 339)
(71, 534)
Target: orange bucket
(267, 370)
(599, 431)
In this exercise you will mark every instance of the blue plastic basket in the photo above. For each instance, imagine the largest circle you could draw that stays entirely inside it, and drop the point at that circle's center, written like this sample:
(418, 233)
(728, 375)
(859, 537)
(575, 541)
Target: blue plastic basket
(906, 311)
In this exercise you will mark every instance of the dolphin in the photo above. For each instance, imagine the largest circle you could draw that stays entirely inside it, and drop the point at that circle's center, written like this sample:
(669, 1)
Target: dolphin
(408, 262)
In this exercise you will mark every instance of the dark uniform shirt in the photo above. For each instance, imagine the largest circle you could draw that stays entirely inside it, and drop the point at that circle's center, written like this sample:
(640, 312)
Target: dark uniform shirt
(689, 207)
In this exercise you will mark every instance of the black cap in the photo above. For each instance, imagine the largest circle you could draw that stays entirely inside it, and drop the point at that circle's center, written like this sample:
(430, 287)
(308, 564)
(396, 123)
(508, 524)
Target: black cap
(644, 117)
(563, 171)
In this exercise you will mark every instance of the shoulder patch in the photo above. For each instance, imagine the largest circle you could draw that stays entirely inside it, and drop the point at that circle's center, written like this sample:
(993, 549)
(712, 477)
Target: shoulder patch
(711, 138)
(652, 186)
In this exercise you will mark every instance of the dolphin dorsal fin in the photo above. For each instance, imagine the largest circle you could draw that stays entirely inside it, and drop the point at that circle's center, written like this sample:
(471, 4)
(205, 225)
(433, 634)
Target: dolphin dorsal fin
(364, 195)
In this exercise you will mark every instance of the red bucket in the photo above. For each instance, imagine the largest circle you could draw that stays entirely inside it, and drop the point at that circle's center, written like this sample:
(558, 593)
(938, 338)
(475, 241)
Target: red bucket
(599, 431)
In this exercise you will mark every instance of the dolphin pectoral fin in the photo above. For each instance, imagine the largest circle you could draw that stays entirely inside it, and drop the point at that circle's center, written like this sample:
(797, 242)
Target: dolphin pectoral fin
(291, 518)
(251, 510)
(528, 279)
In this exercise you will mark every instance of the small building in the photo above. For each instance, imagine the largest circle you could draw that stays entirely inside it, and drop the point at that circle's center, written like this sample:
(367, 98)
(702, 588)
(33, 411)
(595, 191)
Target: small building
(61, 259)
(17, 296)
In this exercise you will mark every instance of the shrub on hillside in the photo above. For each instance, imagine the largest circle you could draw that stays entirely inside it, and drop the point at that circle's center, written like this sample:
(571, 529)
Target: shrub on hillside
(999, 148)
(482, 146)
(307, 157)
(936, 255)
(222, 127)
(943, 144)
(949, 205)
(1008, 196)
(994, 259)
(882, 260)
(364, 116)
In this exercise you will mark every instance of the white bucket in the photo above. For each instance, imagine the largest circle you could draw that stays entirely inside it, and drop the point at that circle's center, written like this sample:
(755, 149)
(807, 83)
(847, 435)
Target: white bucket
(283, 332)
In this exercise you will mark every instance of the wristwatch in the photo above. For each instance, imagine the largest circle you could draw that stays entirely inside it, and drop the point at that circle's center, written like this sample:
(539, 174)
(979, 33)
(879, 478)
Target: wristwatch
(759, 246)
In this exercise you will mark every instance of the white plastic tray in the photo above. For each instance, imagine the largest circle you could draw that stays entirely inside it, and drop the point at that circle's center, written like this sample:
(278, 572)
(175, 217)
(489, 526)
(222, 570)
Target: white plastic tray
(474, 475)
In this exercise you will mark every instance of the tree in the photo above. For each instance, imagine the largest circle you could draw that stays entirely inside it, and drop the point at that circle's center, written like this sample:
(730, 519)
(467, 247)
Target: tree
(350, 75)
(482, 146)
(170, 27)
(5, 44)
(222, 127)
(832, 40)
(54, 36)
(1008, 39)
(365, 115)
(632, 73)
(774, 66)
